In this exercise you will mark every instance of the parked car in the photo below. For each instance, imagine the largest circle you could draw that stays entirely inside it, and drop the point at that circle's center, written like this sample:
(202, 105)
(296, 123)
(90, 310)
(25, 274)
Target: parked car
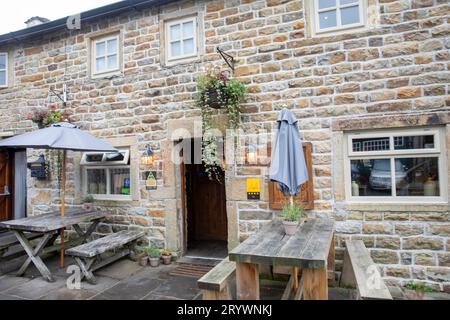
(380, 176)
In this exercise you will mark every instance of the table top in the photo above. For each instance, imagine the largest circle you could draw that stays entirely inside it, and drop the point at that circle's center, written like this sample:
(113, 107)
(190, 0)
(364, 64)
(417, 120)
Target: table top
(308, 248)
(53, 221)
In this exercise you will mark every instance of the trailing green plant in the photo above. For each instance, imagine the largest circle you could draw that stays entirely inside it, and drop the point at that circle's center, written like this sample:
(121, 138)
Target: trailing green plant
(418, 287)
(216, 90)
(292, 212)
(53, 164)
(153, 252)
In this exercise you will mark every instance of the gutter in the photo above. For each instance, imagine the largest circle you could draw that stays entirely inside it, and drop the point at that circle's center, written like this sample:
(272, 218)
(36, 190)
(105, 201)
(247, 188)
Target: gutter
(108, 10)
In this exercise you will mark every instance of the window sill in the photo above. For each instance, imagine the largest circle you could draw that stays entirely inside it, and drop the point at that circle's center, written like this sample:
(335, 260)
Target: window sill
(395, 206)
(340, 31)
(113, 74)
(173, 63)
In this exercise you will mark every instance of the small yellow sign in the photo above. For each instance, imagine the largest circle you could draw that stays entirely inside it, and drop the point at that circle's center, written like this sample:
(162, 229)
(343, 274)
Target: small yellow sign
(253, 188)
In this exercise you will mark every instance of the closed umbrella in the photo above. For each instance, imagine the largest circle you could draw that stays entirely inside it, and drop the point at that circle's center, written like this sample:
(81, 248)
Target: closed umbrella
(61, 136)
(288, 165)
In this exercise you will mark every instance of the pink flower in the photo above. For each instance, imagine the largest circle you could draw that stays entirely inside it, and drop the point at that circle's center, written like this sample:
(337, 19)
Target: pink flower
(29, 116)
(53, 107)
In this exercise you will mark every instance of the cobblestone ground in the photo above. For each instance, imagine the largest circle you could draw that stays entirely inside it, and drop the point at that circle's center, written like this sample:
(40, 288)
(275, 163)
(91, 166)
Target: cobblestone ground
(126, 280)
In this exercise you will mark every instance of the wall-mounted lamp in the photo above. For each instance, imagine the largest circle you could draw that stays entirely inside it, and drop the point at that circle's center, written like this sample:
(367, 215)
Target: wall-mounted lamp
(252, 155)
(148, 156)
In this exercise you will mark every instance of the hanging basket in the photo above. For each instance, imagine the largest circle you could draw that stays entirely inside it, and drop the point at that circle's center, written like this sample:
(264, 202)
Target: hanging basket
(213, 99)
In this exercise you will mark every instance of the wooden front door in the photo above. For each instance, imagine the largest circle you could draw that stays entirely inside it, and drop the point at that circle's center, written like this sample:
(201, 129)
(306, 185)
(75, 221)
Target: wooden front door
(206, 206)
(6, 186)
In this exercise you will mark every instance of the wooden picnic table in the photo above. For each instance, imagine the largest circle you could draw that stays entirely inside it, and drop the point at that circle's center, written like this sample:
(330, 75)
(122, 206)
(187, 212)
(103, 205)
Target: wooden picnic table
(49, 226)
(310, 250)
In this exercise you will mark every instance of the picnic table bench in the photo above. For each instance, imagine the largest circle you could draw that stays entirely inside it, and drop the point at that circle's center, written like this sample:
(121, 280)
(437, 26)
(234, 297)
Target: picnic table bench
(47, 227)
(310, 250)
(87, 255)
(215, 284)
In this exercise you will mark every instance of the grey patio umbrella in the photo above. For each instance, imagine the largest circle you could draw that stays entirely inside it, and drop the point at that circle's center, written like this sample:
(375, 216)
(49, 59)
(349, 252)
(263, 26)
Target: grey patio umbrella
(62, 136)
(288, 166)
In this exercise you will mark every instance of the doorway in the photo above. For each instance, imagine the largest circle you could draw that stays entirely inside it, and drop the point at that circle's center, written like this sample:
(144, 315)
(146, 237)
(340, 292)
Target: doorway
(206, 213)
(6, 185)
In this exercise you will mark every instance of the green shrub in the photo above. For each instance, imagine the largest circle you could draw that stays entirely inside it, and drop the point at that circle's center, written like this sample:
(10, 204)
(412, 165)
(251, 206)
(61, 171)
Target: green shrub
(153, 252)
(292, 212)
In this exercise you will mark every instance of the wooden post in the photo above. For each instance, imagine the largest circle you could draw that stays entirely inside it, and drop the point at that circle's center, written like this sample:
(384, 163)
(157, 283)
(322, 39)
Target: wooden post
(247, 281)
(315, 284)
(63, 202)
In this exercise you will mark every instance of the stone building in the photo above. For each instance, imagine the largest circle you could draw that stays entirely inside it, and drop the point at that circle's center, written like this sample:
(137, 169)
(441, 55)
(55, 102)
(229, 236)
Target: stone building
(367, 79)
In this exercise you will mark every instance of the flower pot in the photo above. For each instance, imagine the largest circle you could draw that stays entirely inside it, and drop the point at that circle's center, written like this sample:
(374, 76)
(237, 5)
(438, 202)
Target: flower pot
(213, 99)
(290, 227)
(143, 261)
(154, 262)
(167, 259)
(413, 294)
(88, 206)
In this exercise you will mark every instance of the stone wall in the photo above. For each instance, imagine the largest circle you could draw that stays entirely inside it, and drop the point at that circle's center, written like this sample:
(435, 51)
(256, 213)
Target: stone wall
(398, 66)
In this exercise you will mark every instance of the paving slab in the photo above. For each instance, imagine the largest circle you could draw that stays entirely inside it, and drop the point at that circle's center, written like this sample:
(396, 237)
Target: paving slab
(36, 288)
(9, 281)
(161, 272)
(70, 294)
(180, 287)
(8, 297)
(133, 288)
(152, 296)
(119, 270)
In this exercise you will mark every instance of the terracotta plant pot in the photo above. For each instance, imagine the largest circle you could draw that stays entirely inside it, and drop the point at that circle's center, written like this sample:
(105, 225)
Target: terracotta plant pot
(143, 261)
(213, 99)
(154, 262)
(290, 227)
(88, 206)
(167, 259)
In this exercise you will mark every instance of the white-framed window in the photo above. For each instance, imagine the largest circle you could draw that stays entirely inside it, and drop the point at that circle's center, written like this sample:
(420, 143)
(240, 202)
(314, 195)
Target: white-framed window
(396, 166)
(181, 38)
(105, 55)
(3, 69)
(337, 15)
(106, 175)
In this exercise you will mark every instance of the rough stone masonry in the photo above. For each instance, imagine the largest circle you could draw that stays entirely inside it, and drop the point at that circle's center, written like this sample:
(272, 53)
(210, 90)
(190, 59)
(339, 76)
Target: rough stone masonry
(395, 73)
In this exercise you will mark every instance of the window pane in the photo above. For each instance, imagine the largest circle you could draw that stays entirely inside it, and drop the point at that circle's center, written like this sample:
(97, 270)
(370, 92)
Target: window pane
(120, 181)
(371, 178)
(350, 15)
(188, 46)
(414, 142)
(100, 49)
(112, 46)
(96, 181)
(326, 3)
(97, 157)
(344, 2)
(327, 19)
(2, 78)
(100, 64)
(417, 177)
(188, 29)
(370, 144)
(176, 48)
(115, 156)
(112, 62)
(2, 62)
(175, 32)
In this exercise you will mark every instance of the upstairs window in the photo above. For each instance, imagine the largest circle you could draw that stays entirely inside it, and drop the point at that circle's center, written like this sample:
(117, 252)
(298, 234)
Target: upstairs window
(398, 165)
(181, 38)
(3, 69)
(106, 55)
(336, 15)
(107, 175)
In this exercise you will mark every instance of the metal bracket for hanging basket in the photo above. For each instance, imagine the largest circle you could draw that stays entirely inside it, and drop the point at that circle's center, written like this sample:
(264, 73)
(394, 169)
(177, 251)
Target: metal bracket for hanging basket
(228, 58)
(61, 95)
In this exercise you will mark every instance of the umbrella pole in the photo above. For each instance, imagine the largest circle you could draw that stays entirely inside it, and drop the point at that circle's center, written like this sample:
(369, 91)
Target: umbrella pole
(63, 193)
(295, 269)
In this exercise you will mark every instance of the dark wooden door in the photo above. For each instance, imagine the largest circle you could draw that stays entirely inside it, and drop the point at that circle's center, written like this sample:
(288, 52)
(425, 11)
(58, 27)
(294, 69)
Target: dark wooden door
(6, 186)
(207, 213)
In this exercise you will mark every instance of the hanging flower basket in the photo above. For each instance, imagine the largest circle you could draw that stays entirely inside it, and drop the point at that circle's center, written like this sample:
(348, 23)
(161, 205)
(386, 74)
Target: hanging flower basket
(213, 99)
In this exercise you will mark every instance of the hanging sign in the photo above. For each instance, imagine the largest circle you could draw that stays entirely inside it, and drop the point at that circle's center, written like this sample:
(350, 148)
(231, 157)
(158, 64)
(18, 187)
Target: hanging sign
(253, 189)
(150, 180)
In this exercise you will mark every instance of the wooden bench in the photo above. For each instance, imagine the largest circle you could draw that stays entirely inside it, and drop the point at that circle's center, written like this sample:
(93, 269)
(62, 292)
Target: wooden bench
(8, 240)
(360, 272)
(215, 284)
(87, 255)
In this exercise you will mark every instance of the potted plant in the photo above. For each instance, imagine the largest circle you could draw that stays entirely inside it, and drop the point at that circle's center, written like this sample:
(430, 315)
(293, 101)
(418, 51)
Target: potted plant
(45, 117)
(416, 291)
(142, 257)
(292, 213)
(217, 91)
(166, 256)
(88, 202)
(154, 255)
